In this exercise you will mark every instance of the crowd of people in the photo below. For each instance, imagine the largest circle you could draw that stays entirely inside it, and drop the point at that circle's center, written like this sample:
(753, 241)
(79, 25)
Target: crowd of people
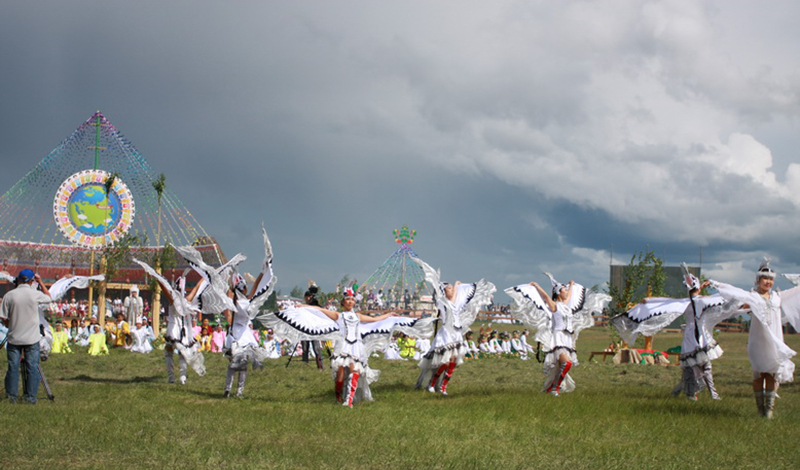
(440, 343)
(72, 335)
(490, 343)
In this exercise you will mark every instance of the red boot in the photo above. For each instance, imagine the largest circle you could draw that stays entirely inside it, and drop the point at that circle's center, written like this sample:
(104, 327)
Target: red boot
(435, 378)
(351, 389)
(447, 377)
(338, 387)
(564, 370)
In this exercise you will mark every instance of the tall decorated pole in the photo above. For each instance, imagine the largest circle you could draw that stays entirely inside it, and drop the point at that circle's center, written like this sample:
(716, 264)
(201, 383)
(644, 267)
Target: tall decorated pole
(404, 236)
(159, 185)
(96, 148)
(396, 274)
(94, 209)
(29, 237)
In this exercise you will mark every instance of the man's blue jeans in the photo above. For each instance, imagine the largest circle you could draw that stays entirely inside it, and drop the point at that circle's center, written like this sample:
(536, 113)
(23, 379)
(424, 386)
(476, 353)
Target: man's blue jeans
(31, 363)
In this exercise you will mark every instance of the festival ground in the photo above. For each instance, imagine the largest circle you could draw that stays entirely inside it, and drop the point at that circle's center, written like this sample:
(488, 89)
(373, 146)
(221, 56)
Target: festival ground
(118, 412)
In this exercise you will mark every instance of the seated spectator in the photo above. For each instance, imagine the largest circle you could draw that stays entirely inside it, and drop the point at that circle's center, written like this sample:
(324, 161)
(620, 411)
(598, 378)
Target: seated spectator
(123, 332)
(272, 345)
(472, 348)
(516, 346)
(60, 340)
(97, 342)
(408, 348)
(141, 338)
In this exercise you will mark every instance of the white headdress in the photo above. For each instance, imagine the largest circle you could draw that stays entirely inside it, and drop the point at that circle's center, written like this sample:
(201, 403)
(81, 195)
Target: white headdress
(180, 284)
(239, 283)
(556, 286)
(764, 270)
(689, 280)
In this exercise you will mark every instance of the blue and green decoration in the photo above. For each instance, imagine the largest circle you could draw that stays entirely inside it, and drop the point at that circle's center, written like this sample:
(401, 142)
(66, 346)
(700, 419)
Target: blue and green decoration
(90, 217)
(75, 174)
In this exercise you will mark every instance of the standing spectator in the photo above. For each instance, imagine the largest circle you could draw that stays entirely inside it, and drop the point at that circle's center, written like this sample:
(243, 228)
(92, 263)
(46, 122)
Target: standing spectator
(133, 306)
(20, 313)
(217, 339)
(195, 328)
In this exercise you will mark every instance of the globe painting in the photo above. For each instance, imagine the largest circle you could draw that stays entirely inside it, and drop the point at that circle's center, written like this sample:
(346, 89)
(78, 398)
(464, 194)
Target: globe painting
(91, 212)
(87, 216)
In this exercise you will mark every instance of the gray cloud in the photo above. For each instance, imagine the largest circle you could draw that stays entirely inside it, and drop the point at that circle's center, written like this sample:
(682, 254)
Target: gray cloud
(515, 137)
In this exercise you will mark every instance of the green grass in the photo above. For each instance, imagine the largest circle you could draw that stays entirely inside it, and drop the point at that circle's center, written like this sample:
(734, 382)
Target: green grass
(118, 412)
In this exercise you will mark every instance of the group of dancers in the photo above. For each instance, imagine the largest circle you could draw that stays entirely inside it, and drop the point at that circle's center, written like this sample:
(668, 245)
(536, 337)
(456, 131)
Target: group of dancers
(770, 357)
(556, 317)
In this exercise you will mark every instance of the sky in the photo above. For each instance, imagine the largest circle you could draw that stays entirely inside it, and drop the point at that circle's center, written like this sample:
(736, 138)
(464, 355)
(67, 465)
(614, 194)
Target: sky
(515, 137)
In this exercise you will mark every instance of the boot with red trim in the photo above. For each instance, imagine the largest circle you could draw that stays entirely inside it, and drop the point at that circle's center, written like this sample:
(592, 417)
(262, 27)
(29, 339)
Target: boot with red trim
(447, 377)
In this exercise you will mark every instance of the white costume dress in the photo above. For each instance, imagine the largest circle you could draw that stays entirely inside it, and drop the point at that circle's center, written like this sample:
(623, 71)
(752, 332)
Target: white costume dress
(83, 336)
(353, 340)
(141, 340)
(133, 306)
(392, 352)
(178, 336)
(557, 331)
(272, 347)
(241, 345)
(349, 349)
(517, 347)
(455, 317)
(765, 347)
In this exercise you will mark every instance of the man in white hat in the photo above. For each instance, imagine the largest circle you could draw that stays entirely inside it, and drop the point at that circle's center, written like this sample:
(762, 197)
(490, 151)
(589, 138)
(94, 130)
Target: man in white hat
(133, 306)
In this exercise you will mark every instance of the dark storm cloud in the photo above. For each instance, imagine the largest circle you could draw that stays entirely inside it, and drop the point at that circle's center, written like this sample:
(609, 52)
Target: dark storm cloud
(515, 138)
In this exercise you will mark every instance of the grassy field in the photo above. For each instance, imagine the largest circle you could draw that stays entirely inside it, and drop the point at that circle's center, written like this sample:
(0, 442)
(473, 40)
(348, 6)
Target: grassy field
(118, 412)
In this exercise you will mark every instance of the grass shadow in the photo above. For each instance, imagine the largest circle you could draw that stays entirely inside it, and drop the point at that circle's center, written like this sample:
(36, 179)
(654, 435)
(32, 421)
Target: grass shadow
(131, 380)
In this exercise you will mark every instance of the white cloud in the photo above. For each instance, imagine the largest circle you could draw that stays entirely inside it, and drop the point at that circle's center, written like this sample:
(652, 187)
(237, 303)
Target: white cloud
(649, 119)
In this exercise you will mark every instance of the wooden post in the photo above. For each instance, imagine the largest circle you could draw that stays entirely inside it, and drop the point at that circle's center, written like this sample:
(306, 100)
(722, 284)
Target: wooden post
(91, 290)
(155, 306)
(101, 299)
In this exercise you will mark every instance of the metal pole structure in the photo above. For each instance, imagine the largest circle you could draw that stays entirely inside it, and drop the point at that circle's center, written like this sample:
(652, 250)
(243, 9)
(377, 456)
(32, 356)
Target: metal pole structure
(97, 140)
(403, 274)
(156, 304)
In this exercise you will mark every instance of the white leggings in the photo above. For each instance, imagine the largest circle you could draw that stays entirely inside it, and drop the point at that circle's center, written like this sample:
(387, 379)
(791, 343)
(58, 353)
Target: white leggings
(229, 380)
(168, 359)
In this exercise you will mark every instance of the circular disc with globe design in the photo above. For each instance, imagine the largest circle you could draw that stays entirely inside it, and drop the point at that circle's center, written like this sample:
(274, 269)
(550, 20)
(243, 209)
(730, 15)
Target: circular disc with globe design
(89, 217)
